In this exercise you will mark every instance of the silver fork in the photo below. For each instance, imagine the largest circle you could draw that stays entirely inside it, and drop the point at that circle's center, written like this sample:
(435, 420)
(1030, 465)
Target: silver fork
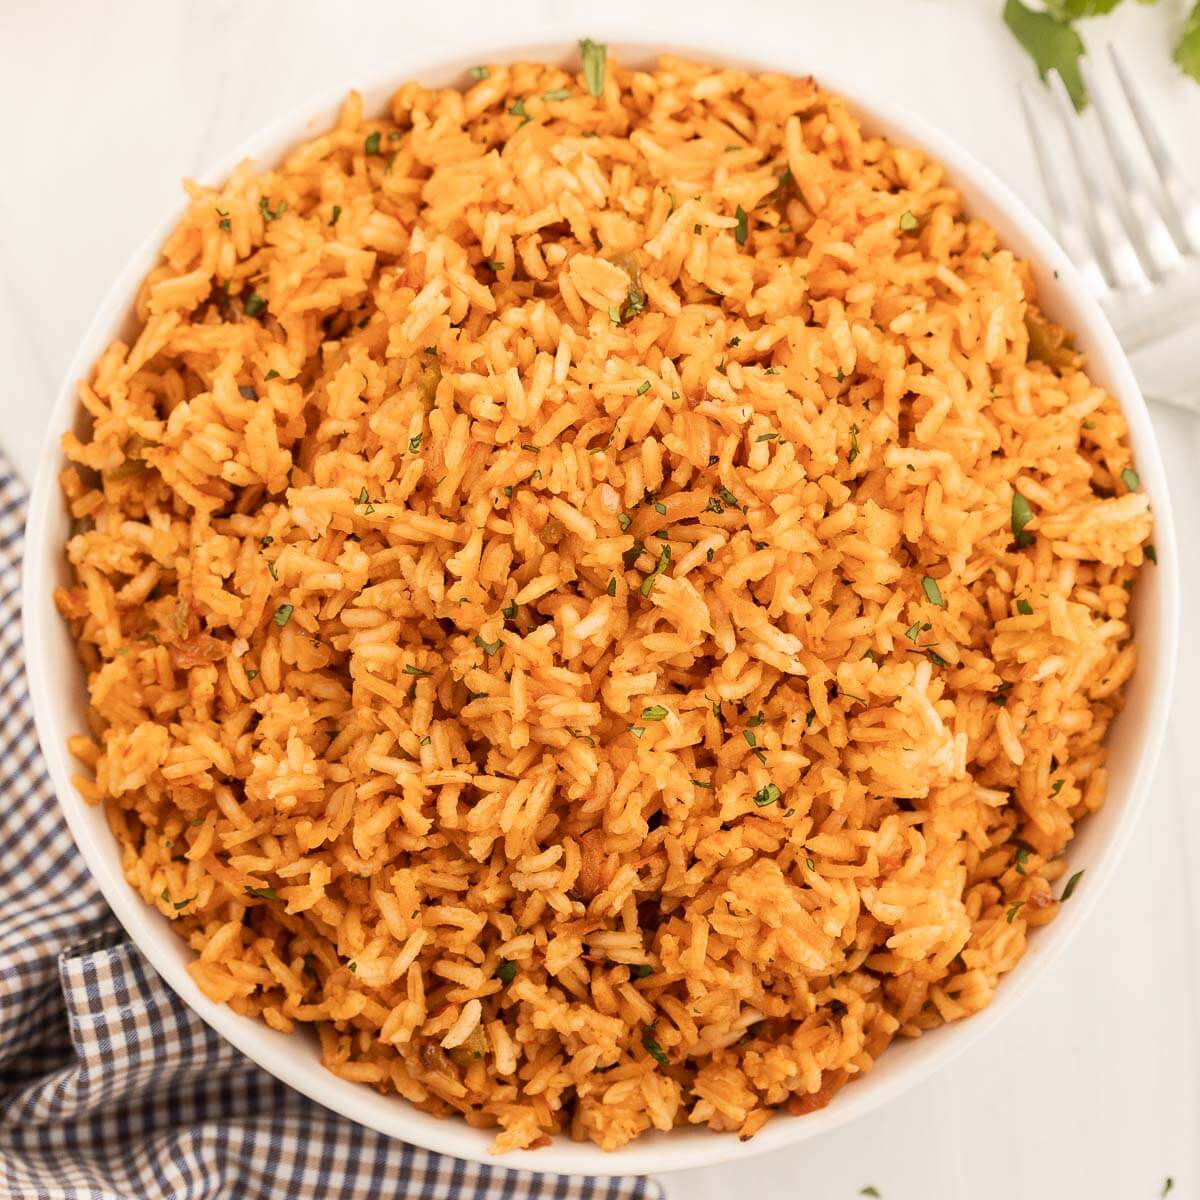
(1136, 243)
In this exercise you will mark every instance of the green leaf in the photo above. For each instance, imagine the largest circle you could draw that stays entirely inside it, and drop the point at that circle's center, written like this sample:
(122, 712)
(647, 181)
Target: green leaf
(506, 972)
(655, 712)
(641, 970)
(766, 795)
(656, 1052)
(932, 592)
(1022, 514)
(1052, 44)
(908, 222)
(741, 232)
(1130, 479)
(371, 143)
(283, 614)
(1069, 10)
(557, 94)
(593, 55)
(1187, 48)
(1072, 884)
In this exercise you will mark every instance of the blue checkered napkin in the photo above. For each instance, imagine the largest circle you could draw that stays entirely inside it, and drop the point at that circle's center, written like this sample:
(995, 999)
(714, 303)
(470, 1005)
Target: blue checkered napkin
(110, 1088)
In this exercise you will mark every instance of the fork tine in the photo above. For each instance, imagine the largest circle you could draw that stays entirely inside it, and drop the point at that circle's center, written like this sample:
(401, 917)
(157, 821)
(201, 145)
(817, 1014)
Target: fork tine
(1070, 233)
(1144, 223)
(1182, 200)
(1112, 243)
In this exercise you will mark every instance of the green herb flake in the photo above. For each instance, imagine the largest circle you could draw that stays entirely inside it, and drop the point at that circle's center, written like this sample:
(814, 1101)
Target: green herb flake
(518, 110)
(913, 632)
(654, 712)
(1072, 884)
(183, 903)
(908, 221)
(409, 669)
(937, 659)
(853, 437)
(250, 674)
(1129, 479)
(869, 1190)
(506, 972)
(700, 783)
(254, 304)
(643, 388)
(223, 224)
(664, 557)
(593, 55)
(741, 232)
(932, 592)
(766, 795)
(478, 73)
(656, 1052)
(1022, 514)
(557, 94)
(1057, 786)
(509, 611)
(1013, 909)
(337, 212)
(1151, 553)
(489, 648)
(637, 730)
(363, 498)
(371, 144)
(425, 741)
(728, 497)
(751, 737)
(766, 437)
(624, 520)
(269, 214)
(283, 614)
(641, 970)
(771, 371)
(271, 374)
(1169, 1182)
(262, 893)
(1022, 857)
(493, 264)
(808, 862)
(660, 508)
(1024, 607)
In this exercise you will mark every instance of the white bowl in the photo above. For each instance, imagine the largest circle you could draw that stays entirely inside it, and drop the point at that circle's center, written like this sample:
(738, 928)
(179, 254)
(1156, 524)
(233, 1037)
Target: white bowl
(58, 691)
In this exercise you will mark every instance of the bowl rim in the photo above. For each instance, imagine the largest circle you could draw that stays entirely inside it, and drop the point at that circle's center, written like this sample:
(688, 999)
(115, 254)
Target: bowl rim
(632, 43)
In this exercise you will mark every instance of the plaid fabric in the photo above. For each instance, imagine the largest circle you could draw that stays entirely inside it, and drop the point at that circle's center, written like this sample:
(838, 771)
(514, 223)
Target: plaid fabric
(110, 1088)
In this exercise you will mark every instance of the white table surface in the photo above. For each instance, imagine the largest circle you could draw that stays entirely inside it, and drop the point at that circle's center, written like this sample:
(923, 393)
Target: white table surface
(1092, 1088)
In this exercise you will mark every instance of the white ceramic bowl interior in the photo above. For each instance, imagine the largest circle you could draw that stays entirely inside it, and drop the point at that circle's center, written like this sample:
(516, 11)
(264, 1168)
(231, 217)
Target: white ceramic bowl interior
(57, 683)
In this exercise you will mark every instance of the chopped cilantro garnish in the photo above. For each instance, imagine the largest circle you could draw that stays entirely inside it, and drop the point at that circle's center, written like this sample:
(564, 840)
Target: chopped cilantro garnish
(1024, 607)
(262, 893)
(766, 795)
(371, 144)
(593, 55)
(664, 557)
(908, 222)
(1022, 514)
(751, 737)
(1072, 884)
(1021, 859)
(654, 712)
(1129, 479)
(478, 72)
(643, 388)
(557, 94)
(271, 374)
(656, 1052)
(409, 669)
(518, 110)
(932, 592)
(624, 520)
(1151, 553)
(283, 614)
(363, 498)
(269, 214)
(641, 970)
(489, 648)
(254, 304)
(506, 972)
(937, 659)
(612, 586)
(1013, 909)
(337, 212)
(766, 437)
(743, 226)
